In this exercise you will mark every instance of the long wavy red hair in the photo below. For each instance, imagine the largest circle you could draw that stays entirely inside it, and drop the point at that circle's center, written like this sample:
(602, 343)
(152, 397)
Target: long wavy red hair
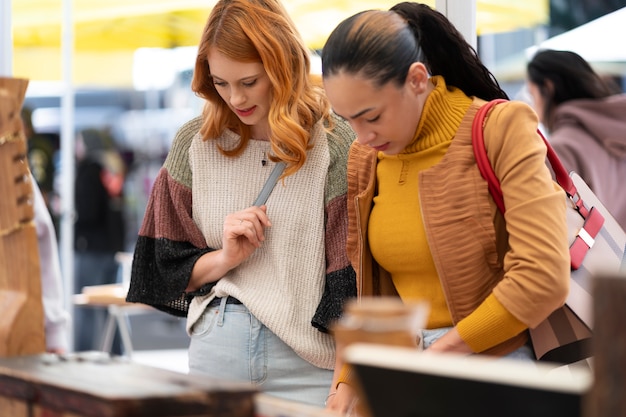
(262, 31)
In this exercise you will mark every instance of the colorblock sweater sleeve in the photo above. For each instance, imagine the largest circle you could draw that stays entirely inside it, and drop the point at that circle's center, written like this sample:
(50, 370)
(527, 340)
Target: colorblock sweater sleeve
(340, 283)
(169, 241)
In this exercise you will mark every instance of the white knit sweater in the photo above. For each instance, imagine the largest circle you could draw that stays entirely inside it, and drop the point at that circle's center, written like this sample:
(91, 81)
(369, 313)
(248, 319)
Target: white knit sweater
(282, 282)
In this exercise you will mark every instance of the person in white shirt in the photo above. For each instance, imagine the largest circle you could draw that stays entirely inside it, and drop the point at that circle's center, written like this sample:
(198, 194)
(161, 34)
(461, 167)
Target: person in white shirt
(57, 319)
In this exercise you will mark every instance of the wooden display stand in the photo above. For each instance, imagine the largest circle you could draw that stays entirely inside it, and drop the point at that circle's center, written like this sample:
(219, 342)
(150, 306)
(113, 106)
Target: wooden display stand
(22, 320)
(92, 384)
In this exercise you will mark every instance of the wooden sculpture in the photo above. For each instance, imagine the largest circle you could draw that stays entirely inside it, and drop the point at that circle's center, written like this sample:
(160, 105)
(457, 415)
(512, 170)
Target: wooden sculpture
(21, 306)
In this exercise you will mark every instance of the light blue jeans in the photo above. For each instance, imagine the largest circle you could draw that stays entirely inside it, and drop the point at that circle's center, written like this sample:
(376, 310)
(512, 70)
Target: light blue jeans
(229, 343)
(524, 353)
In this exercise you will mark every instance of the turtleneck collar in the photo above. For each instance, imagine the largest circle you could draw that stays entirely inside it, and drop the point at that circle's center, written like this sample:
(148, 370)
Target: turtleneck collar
(443, 112)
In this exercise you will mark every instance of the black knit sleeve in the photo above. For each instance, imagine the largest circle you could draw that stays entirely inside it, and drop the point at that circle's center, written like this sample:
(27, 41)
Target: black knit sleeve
(160, 273)
(340, 287)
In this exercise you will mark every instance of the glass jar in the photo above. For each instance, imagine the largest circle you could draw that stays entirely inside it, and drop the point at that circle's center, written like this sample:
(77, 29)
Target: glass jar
(381, 320)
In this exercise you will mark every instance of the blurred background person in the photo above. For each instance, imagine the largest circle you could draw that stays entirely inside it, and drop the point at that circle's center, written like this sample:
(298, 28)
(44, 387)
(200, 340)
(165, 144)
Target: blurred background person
(99, 230)
(584, 115)
(42, 153)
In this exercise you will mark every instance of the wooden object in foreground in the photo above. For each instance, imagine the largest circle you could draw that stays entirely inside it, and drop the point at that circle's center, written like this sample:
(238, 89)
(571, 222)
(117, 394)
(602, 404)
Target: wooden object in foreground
(92, 384)
(609, 348)
(379, 320)
(267, 406)
(21, 307)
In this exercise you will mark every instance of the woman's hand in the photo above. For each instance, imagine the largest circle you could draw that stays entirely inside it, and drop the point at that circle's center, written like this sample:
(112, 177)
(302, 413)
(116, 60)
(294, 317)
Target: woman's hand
(343, 400)
(243, 233)
(450, 342)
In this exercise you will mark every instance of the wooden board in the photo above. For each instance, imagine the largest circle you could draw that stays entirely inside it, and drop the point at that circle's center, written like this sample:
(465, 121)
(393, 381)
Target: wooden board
(92, 384)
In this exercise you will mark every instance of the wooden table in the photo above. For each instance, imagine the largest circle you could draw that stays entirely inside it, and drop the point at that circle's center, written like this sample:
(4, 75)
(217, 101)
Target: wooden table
(113, 298)
(92, 384)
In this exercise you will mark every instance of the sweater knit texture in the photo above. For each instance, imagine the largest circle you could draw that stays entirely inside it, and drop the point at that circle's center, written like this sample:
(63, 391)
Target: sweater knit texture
(297, 281)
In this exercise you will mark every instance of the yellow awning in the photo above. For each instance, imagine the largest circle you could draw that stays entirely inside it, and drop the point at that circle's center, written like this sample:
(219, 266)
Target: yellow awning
(106, 32)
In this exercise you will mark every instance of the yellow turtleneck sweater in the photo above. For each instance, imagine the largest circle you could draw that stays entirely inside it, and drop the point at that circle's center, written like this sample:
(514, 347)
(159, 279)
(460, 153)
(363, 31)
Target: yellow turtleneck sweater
(396, 232)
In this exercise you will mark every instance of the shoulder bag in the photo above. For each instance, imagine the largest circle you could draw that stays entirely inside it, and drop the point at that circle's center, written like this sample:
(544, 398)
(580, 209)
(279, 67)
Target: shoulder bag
(597, 245)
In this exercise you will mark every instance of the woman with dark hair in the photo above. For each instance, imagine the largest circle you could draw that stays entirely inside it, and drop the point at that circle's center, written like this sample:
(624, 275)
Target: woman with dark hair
(585, 118)
(422, 224)
(259, 284)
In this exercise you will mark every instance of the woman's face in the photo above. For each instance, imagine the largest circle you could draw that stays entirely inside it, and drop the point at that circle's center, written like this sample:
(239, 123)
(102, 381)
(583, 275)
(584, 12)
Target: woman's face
(384, 118)
(537, 99)
(246, 88)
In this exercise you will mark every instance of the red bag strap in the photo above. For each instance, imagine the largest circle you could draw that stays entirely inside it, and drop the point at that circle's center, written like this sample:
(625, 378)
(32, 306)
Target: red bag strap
(480, 153)
(593, 218)
(486, 170)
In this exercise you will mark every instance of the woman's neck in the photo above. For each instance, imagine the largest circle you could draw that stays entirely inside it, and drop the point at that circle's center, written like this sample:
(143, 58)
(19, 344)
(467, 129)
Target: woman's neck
(260, 131)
